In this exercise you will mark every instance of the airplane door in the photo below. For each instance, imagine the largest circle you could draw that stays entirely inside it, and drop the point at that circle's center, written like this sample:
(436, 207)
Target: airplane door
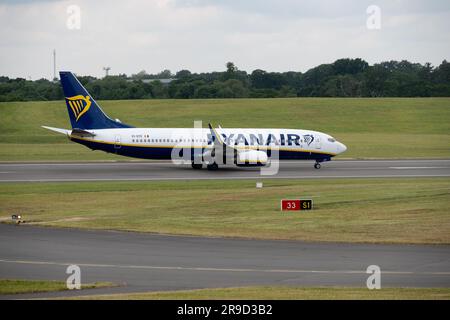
(318, 144)
(117, 142)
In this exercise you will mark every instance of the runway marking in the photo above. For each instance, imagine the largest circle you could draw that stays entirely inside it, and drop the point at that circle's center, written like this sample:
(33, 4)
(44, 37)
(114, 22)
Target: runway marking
(173, 268)
(400, 168)
(392, 169)
(168, 162)
(83, 164)
(228, 178)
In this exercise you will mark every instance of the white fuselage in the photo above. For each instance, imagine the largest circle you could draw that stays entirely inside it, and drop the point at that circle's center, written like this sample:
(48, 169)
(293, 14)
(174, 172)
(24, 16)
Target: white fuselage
(157, 143)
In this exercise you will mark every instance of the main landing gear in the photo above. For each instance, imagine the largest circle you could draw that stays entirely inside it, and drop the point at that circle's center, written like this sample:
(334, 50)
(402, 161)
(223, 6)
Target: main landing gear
(197, 166)
(317, 165)
(212, 167)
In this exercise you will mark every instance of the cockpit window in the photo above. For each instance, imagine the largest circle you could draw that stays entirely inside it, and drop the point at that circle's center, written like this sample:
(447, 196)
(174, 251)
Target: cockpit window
(331, 139)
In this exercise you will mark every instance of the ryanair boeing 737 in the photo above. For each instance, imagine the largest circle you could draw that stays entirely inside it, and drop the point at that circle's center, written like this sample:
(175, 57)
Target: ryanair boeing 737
(213, 146)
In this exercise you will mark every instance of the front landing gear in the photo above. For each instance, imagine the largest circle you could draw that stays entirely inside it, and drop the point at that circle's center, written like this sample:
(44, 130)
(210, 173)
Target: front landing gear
(317, 165)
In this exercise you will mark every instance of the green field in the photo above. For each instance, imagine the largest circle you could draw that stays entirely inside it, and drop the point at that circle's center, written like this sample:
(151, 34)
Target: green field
(286, 293)
(409, 210)
(13, 286)
(371, 128)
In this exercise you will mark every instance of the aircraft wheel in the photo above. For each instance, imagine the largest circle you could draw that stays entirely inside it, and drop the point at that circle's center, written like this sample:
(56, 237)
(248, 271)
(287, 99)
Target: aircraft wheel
(213, 166)
(197, 166)
(317, 165)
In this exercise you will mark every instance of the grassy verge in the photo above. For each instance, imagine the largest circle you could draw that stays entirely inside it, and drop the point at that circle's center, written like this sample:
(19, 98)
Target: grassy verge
(9, 286)
(411, 210)
(371, 128)
(287, 293)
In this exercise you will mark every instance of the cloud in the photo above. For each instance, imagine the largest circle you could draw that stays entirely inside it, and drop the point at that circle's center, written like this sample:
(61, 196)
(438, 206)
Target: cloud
(203, 35)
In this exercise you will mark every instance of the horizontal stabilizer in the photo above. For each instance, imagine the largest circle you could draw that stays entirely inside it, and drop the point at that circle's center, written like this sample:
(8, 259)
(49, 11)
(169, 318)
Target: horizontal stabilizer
(63, 131)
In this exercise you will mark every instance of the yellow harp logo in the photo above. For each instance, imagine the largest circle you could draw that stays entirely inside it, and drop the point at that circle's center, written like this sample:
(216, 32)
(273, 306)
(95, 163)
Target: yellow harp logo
(79, 105)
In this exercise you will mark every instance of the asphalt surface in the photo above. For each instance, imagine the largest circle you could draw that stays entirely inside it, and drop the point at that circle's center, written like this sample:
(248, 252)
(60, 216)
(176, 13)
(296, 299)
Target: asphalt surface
(145, 262)
(148, 262)
(109, 171)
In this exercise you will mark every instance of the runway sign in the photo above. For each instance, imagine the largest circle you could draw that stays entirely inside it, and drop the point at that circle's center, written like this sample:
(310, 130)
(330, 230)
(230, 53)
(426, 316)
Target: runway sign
(296, 205)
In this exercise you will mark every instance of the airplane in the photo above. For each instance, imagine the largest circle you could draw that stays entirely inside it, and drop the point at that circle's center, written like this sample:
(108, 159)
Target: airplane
(210, 146)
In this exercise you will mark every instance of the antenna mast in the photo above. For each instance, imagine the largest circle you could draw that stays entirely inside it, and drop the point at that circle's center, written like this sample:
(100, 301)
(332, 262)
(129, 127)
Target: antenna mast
(54, 64)
(106, 70)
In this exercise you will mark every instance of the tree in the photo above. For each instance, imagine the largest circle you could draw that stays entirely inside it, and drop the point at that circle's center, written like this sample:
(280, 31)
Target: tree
(231, 68)
(261, 79)
(234, 73)
(183, 74)
(206, 91)
(159, 91)
(442, 73)
(342, 78)
(165, 74)
(343, 86)
(350, 66)
(231, 88)
(140, 75)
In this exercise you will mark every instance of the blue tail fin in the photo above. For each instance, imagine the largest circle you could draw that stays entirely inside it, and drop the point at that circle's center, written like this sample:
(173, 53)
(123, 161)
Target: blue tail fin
(84, 112)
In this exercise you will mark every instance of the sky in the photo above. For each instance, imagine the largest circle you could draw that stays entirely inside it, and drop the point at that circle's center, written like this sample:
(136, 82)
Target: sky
(202, 35)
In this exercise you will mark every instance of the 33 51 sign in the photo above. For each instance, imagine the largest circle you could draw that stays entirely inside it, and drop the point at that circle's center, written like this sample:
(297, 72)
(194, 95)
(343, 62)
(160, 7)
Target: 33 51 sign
(296, 204)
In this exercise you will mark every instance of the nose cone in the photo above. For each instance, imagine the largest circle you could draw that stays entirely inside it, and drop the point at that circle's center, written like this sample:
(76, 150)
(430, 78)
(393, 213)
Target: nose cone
(341, 147)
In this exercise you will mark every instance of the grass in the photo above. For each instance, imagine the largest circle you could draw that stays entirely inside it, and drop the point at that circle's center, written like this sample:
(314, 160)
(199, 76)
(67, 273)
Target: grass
(408, 210)
(371, 128)
(286, 293)
(12, 286)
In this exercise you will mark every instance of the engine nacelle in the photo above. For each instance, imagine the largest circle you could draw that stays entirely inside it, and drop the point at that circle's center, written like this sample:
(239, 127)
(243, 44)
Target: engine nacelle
(251, 158)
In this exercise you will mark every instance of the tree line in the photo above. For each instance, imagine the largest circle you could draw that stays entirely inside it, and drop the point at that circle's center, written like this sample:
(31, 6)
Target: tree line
(343, 78)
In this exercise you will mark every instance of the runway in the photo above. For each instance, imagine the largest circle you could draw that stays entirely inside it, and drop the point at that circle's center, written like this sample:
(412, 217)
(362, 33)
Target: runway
(145, 262)
(160, 170)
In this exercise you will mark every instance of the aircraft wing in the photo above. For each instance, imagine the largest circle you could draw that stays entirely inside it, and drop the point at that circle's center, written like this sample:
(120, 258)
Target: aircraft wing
(217, 138)
(244, 156)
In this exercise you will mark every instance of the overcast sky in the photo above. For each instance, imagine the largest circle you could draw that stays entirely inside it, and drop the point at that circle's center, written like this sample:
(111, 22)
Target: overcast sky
(202, 35)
